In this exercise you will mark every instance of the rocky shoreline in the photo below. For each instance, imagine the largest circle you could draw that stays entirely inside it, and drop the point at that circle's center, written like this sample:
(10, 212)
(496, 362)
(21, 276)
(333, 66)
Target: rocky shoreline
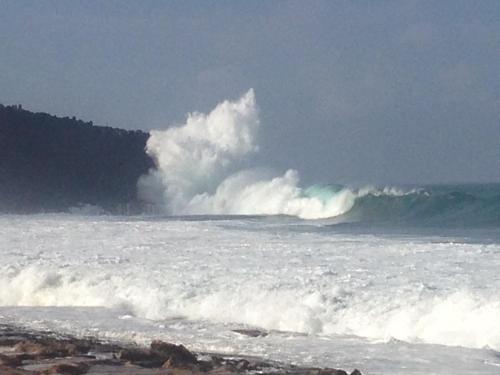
(24, 352)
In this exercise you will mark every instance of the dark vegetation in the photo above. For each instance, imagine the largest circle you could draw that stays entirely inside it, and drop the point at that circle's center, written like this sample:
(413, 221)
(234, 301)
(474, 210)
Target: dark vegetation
(50, 164)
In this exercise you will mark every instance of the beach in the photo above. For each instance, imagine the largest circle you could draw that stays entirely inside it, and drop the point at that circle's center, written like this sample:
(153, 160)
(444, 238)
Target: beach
(24, 351)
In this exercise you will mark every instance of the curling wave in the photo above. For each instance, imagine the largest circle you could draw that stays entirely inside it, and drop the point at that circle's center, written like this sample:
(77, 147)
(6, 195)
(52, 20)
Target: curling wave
(203, 167)
(457, 205)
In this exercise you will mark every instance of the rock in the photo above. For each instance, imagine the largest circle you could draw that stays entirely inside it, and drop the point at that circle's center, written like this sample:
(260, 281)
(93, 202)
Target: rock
(170, 363)
(356, 372)
(325, 371)
(10, 360)
(217, 360)
(6, 370)
(223, 370)
(141, 357)
(257, 365)
(205, 366)
(242, 365)
(178, 354)
(47, 349)
(29, 347)
(135, 355)
(68, 369)
(182, 371)
(251, 332)
(332, 371)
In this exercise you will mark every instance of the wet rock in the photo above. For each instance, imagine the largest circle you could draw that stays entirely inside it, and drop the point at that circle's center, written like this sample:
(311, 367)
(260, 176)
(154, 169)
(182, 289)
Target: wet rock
(47, 349)
(257, 365)
(325, 371)
(223, 370)
(44, 353)
(176, 368)
(170, 363)
(183, 371)
(242, 365)
(251, 332)
(67, 369)
(205, 366)
(10, 360)
(177, 354)
(217, 360)
(332, 371)
(134, 355)
(29, 347)
(6, 370)
(140, 357)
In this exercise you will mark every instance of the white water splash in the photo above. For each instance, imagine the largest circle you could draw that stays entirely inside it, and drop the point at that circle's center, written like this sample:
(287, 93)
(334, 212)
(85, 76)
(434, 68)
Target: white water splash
(199, 169)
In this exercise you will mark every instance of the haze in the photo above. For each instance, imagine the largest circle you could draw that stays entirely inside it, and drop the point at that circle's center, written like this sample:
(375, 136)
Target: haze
(354, 92)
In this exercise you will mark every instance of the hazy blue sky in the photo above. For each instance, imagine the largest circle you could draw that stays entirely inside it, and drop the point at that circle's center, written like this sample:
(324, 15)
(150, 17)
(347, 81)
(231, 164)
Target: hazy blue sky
(349, 91)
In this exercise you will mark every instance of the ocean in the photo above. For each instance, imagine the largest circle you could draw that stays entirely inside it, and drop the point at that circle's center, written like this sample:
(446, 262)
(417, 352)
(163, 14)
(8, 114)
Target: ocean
(403, 281)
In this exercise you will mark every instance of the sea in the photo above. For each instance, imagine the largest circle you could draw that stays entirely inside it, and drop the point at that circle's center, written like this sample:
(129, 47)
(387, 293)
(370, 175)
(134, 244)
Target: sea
(402, 282)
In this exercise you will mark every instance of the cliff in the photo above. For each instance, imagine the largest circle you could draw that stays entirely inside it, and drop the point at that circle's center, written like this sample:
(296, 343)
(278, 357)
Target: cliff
(49, 164)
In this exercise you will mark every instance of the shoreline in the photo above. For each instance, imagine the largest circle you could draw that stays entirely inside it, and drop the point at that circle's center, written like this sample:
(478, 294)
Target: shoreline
(30, 352)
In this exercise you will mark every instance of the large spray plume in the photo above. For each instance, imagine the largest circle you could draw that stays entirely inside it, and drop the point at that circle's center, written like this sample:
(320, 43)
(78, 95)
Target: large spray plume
(200, 170)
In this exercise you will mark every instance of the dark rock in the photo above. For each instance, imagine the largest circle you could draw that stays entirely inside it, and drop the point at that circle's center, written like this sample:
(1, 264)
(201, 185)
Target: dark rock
(170, 363)
(48, 348)
(6, 370)
(223, 370)
(10, 360)
(242, 365)
(356, 372)
(257, 365)
(251, 332)
(26, 357)
(180, 368)
(29, 347)
(332, 371)
(325, 371)
(183, 371)
(68, 369)
(217, 360)
(178, 354)
(135, 355)
(205, 366)
(141, 357)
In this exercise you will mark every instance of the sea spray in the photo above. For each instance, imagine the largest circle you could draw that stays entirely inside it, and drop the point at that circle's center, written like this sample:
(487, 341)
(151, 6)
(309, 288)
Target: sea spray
(204, 166)
(200, 170)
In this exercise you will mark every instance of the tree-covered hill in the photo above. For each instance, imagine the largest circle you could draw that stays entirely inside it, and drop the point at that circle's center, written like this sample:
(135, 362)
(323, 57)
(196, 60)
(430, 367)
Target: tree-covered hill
(49, 163)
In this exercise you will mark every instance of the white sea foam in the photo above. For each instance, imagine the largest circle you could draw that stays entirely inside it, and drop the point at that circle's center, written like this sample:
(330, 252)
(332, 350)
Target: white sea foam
(278, 280)
(195, 280)
(460, 318)
(201, 169)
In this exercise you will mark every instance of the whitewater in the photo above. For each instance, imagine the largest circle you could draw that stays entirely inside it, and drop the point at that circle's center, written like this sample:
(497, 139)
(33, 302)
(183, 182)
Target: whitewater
(388, 280)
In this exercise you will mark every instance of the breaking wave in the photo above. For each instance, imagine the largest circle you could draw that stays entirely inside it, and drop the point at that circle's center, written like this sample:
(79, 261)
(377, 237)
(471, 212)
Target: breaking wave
(204, 167)
(461, 318)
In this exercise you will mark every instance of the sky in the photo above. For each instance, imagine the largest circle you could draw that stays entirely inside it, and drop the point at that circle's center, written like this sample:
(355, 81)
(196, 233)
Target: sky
(352, 92)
